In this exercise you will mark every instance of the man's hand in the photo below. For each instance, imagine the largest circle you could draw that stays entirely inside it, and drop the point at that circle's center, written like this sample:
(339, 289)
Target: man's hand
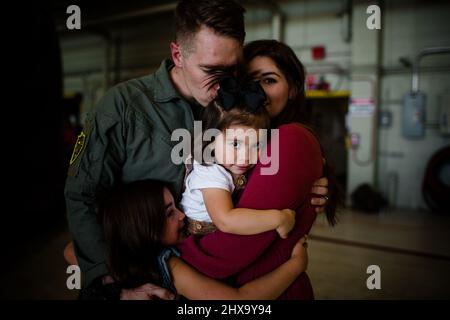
(320, 187)
(146, 292)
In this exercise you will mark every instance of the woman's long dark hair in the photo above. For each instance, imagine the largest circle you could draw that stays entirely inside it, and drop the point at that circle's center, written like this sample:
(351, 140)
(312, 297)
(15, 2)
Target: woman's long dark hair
(134, 217)
(295, 111)
(294, 72)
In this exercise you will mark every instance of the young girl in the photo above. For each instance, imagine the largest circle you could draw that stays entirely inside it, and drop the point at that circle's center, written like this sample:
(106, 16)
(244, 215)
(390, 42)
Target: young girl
(238, 114)
(142, 224)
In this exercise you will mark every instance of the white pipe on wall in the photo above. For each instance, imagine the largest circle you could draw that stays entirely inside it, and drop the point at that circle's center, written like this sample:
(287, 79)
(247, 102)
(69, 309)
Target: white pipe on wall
(277, 26)
(424, 52)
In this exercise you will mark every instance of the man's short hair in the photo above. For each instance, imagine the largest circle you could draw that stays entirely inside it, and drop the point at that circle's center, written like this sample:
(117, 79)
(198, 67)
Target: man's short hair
(225, 17)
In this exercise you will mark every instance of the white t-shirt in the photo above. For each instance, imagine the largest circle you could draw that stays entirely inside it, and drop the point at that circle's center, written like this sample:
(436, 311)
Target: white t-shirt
(203, 177)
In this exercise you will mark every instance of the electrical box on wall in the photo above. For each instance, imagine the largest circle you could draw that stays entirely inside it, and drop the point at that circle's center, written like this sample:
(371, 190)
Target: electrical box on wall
(413, 118)
(385, 119)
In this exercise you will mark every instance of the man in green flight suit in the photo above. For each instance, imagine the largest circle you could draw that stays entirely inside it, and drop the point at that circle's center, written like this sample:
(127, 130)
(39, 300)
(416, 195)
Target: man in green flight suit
(127, 137)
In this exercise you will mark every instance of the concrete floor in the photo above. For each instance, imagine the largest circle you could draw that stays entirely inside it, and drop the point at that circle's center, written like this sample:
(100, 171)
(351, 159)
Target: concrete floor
(412, 250)
(39, 271)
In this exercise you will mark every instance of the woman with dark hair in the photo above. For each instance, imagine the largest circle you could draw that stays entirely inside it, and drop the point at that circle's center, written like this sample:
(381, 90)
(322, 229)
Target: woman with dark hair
(244, 258)
(276, 67)
(281, 74)
(142, 224)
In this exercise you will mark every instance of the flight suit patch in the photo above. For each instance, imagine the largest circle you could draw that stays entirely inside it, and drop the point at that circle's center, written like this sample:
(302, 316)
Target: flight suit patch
(78, 149)
(79, 145)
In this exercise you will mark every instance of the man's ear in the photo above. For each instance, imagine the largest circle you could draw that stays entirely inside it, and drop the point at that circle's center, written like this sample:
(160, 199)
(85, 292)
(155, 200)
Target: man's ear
(175, 52)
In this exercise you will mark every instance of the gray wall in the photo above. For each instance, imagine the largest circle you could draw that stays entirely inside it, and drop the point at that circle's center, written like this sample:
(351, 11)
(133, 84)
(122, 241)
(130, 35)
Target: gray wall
(408, 29)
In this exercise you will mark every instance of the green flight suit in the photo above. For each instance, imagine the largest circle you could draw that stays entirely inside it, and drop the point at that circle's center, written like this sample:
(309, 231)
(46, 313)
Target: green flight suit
(127, 137)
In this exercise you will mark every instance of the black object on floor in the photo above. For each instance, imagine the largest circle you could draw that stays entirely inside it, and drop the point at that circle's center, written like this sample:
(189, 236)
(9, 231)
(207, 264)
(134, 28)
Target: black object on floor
(365, 198)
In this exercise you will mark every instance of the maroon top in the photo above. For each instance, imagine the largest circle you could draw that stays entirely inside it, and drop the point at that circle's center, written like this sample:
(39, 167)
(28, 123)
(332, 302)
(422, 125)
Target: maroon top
(221, 255)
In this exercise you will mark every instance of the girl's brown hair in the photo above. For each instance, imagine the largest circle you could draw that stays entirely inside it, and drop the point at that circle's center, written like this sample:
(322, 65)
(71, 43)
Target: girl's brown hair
(134, 217)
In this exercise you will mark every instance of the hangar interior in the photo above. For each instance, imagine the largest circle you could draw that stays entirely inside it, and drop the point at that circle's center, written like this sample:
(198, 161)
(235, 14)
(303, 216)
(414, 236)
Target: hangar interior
(378, 99)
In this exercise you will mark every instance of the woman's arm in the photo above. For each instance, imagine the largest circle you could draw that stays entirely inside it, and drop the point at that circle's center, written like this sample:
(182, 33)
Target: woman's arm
(244, 221)
(196, 286)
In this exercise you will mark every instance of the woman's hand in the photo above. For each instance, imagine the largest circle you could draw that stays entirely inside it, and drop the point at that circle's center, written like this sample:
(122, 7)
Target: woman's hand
(320, 188)
(287, 222)
(300, 253)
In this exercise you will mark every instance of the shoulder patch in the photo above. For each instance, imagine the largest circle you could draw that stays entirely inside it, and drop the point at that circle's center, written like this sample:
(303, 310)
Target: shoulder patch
(79, 145)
